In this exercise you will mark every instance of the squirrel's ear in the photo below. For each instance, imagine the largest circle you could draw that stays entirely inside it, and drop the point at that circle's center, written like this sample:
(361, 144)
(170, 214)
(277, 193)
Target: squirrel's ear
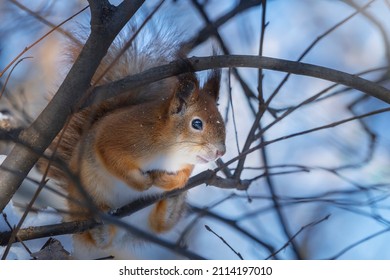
(213, 83)
(186, 92)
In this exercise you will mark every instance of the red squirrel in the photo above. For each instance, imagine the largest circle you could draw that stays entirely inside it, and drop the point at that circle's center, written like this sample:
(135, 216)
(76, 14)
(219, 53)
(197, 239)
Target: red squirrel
(144, 142)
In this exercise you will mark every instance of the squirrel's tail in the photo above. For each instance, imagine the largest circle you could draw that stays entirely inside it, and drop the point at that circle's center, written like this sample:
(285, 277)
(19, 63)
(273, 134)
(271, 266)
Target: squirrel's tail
(132, 52)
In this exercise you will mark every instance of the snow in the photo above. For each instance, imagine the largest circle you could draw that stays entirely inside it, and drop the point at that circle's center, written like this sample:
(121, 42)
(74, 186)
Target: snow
(12, 215)
(44, 217)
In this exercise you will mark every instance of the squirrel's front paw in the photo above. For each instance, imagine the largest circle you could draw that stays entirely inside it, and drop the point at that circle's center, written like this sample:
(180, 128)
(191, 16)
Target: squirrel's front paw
(139, 180)
(169, 181)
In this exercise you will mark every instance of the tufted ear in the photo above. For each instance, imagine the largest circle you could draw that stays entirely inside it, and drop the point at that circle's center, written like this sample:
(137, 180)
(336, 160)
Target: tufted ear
(213, 83)
(186, 92)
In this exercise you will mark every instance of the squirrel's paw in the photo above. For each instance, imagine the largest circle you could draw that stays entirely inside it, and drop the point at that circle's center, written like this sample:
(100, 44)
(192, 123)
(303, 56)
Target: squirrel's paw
(103, 235)
(169, 181)
(139, 180)
(166, 213)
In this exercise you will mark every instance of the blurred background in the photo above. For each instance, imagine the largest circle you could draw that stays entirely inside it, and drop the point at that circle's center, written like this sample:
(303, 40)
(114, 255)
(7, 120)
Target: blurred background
(313, 195)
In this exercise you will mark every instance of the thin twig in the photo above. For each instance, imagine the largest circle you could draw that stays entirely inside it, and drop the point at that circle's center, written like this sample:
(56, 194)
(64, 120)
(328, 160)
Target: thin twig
(10, 73)
(44, 20)
(359, 242)
(334, 124)
(224, 241)
(312, 224)
(23, 218)
(19, 240)
(234, 224)
(314, 43)
(39, 40)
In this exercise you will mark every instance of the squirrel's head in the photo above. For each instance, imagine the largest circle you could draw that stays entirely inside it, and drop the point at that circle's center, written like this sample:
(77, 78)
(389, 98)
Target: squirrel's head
(193, 113)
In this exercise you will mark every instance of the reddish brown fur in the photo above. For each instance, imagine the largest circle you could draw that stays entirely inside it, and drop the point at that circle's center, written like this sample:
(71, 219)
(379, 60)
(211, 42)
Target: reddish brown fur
(168, 181)
(157, 217)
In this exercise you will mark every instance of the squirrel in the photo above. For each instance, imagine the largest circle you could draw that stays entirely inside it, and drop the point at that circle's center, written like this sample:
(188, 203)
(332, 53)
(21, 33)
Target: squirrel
(144, 142)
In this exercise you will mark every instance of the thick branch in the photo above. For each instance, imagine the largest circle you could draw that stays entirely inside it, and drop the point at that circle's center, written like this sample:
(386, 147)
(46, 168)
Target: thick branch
(31, 233)
(203, 63)
(209, 177)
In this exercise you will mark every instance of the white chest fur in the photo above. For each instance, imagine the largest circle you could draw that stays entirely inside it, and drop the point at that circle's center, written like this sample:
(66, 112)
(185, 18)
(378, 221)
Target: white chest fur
(115, 193)
(173, 162)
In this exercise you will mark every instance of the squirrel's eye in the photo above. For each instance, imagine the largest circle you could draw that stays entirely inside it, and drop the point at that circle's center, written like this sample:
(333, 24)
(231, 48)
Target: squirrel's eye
(197, 124)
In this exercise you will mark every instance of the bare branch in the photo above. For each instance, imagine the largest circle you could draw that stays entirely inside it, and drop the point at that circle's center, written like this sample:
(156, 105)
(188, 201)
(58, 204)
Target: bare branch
(43, 130)
(43, 20)
(207, 176)
(205, 33)
(234, 225)
(224, 241)
(174, 68)
(315, 42)
(353, 245)
(312, 224)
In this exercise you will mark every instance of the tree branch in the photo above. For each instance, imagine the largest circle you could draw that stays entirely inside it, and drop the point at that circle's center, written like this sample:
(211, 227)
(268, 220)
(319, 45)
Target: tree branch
(204, 63)
(209, 177)
(205, 33)
(43, 130)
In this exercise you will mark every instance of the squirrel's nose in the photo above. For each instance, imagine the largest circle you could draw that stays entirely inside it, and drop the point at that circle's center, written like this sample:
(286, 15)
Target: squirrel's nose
(221, 150)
